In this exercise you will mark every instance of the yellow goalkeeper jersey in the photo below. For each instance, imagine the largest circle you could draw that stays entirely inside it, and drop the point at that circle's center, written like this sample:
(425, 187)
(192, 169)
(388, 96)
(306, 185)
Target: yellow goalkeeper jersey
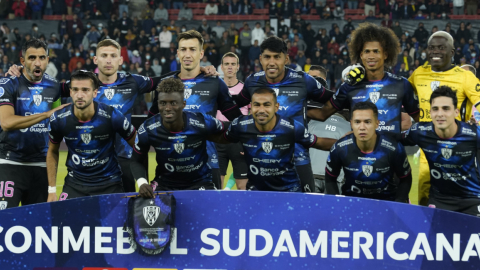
(425, 81)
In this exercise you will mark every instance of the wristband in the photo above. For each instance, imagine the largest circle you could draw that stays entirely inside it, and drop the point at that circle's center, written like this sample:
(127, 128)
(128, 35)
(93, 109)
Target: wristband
(141, 181)
(52, 189)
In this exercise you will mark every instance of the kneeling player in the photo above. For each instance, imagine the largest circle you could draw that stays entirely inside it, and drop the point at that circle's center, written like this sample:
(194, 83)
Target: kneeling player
(369, 160)
(450, 147)
(269, 143)
(89, 130)
(179, 138)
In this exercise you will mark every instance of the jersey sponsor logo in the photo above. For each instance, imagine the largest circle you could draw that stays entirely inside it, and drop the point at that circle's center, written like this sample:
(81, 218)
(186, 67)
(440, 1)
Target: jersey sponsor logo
(141, 129)
(446, 153)
(283, 108)
(65, 114)
(4, 80)
(447, 142)
(187, 93)
(374, 86)
(151, 213)
(374, 96)
(434, 85)
(196, 123)
(179, 147)
(286, 123)
(448, 166)
(192, 107)
(367, 158)
(294, 75)
(468, 131)
(23, 130)
(425, 128)
(2, 91)
(23, 98)
(358, 97)
(125, 124)
(267, 147)
(367, 170)
(382, 111)
(52, 117)
(261, 73)
(387, 145)
(245, 122)
(387, 128)
(103, 113)
(37, 99)
(152, 126)
(345, 143)
(109, 93)
(86, 137)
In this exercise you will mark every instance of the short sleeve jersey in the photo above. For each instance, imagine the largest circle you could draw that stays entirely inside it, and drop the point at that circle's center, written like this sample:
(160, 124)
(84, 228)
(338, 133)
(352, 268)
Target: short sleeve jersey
(181, 156)
(91, 160)
(452, 162)
(369, 175)
(388, 94)
(269, 155)
(27, 98)
(424, 80)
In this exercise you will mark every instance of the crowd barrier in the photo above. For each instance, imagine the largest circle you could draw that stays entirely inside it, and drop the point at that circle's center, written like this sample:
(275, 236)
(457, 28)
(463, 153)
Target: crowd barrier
(243, 230)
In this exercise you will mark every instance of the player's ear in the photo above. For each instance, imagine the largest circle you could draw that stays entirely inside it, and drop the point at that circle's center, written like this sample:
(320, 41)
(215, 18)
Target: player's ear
(95, 93)
(22, 61)
(277, 106)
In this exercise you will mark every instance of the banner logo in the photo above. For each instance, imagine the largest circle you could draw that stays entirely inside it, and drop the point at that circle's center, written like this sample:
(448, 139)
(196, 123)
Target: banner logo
(367, 170)
(109, 93)
(267, 146)
(37, 99)
(446, 153)
(374, 96)
(86, 137)
(151, 213)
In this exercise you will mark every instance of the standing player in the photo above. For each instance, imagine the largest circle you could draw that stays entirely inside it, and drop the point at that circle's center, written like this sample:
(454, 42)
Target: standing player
(179, 138)
(88, 128)
(269, 140)
(232, 152)
(375, 47)
(203, 94)
(334, 127)
(25, 107)
(369, 159)
(450, 147)
(293, 88)
(427, 78)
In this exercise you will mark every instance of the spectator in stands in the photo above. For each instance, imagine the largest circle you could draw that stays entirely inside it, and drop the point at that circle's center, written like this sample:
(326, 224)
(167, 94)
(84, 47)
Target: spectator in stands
(301, 45)
(247, 8)
(125, 24)
(35, 33)
(370, 6)
(305, 8)
(72, 65)
(156, 67)
(421, 34)
(397, 29)
(225, 44)
(402, 71)
(318, 48)
(5, 64)
(160, 13)
(301, 59)
(449, 30)
(219, 29)
(459, 7)
(254, 52)
(77, 38)
(434, 9)
(142, 39)
(393, 9)
(338, 13)
(423, 57)
(204, 27)
(339, 36)
(93, 35)
(407, 11)
(89, 65)
(18, 9)
(309, 36)
(258, 33)
(235, 8)
(386, 22)
(211, 9)
(123, 6)
(274, 9)
(337, 73)
(205, 62)
(348, 27)
(406, 59)
(36, 6)
(222, 8)
(463, 32)
(434, 29)
(64, 74)
(352, 4)
(212, 53)
(177, 4)
(185, 13)
(165, 39)
(371, 16)
(245, 41)
(135, 58)
(419, 16)
(326, 13)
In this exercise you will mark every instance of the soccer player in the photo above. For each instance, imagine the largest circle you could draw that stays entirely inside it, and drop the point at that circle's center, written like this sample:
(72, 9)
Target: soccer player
(268, 140)
(232, 152)
(25, 107)
(89, 129)
(334, 127)
(428, 78)
(374, 47)
(293, 88)
(119, 91)
(179, 138)
(203, 94)
(369, 159)
(450, 147)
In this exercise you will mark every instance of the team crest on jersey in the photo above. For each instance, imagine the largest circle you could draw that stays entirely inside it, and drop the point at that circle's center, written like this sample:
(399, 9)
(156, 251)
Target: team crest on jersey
(267, 147)
(86, 137)
(179, 147)
(446, 153)
(109, 93)
(3, 205)
(151, 213)
(188, 93)
(374, 96)
(276, 91)
(434, 85)
(367, 170)
(37, 99)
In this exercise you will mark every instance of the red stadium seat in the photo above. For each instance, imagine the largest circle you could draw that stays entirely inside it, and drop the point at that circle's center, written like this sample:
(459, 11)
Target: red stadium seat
(197, 5)
(309, 17)
(198, 11)
(260, 11)
(56, 17)
(173, 11)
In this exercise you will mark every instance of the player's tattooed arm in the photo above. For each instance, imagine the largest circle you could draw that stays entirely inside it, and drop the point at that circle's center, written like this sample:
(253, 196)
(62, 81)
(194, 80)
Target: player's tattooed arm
(9, 121)
(52, 167)
(322, 114)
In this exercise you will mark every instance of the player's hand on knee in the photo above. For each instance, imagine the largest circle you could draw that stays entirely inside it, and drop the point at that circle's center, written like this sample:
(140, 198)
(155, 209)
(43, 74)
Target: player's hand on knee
(146, 191)
(14, 70)
(353, 74)
(52, 197)
(209, 71)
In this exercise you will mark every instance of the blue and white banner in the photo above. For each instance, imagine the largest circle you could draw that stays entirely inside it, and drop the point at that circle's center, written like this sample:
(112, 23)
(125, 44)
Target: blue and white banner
(243, 230)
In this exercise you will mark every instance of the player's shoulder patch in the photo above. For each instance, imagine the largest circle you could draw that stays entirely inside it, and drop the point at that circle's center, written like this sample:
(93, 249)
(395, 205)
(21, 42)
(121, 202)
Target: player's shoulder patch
(104, 112)
(296, 74)
(245, 120)
(258, 74)
(5, 80)
(287, 123)
(468, 130)
(141, 129)
(387, 143)
(393, 76)
(347, 140)
(50, 78)
(65, 112)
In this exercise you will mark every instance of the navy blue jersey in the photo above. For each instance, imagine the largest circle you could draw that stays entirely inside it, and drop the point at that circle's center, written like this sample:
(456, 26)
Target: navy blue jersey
(27, 98)
(269, 155)
(91, 160)
(121, 95)
(292, 92)
(369, 175)
(452, 162)
(389, 94)
(181, 156)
